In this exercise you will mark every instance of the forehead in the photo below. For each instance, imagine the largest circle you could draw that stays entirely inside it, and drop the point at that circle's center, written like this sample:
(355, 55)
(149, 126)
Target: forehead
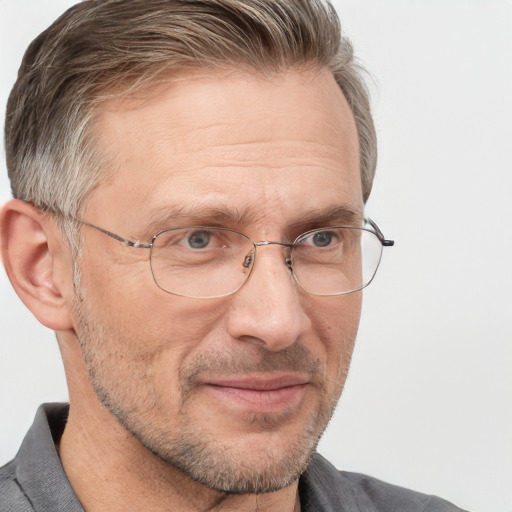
(280, 143)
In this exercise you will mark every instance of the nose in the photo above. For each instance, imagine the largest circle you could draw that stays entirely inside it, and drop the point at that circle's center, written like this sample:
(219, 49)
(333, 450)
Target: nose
(268, 310)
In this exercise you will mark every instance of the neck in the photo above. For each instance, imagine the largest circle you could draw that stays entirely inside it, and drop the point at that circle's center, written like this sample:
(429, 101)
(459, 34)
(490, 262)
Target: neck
(111, 470)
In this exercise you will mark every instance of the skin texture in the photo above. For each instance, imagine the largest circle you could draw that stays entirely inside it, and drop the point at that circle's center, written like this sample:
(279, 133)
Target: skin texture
(176, 401)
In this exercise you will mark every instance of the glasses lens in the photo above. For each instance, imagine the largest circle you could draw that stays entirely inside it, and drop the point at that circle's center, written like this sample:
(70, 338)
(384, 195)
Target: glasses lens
(336, 261)
(201, 262)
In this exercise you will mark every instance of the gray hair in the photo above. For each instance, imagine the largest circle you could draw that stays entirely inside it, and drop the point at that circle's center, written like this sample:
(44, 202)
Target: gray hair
(100, 49)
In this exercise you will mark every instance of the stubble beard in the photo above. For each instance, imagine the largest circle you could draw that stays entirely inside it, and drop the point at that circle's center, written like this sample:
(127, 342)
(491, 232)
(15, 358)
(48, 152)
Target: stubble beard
(192, 449)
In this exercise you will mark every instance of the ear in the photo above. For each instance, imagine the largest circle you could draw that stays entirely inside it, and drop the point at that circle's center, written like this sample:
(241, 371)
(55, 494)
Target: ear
(35, 259)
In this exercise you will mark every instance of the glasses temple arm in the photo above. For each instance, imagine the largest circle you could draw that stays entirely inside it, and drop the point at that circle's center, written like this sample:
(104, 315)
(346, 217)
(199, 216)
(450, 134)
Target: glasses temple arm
(128, 243)
(380, 235)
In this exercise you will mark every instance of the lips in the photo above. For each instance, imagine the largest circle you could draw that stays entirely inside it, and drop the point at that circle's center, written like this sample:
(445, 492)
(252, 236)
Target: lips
(259, 394)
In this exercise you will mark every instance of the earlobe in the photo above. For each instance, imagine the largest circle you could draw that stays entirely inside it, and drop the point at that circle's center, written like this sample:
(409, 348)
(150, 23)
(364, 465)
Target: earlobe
(32, 259)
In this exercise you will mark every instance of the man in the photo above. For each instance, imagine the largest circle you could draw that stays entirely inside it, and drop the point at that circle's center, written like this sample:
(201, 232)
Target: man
(189, 181)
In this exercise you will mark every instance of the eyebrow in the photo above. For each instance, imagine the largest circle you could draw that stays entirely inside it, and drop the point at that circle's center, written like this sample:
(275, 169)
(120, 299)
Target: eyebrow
(228, 216)
(165, 217)
(340, 215)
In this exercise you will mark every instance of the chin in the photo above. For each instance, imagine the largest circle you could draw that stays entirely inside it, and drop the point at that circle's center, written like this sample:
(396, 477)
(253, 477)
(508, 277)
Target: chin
(270, 457)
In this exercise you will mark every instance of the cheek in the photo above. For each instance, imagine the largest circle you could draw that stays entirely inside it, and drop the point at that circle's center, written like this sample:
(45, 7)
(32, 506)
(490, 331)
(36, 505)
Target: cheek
(335, 322)
(150, 330)
(136, 349)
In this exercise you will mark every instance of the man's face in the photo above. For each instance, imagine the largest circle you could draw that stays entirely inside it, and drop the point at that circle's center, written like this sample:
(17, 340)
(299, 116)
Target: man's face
(233, 391)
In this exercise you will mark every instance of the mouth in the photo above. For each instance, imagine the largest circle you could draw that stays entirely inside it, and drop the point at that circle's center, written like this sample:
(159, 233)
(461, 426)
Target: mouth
(259, 394)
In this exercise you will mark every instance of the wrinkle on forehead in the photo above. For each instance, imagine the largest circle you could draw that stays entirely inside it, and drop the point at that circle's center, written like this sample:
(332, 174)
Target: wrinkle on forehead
(203, 109)
(279, 144)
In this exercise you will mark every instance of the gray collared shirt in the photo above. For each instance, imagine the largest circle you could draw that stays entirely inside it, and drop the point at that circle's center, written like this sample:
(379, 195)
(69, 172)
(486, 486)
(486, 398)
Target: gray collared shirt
(35, 480)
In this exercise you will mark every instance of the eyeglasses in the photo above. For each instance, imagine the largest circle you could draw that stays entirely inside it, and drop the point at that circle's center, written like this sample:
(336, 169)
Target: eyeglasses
(204, 262)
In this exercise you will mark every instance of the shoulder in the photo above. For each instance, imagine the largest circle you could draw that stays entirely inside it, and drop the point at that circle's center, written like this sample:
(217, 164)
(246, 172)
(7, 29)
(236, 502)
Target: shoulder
(35, 479)
(12, 497)
(323, 487)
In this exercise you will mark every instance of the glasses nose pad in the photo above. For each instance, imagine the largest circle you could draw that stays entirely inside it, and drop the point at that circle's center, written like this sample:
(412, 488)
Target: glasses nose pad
(289, 263)
(248, 261)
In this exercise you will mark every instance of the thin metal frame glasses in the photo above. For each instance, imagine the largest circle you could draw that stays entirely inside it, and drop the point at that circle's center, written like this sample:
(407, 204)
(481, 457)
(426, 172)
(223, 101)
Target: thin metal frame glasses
(205, 262)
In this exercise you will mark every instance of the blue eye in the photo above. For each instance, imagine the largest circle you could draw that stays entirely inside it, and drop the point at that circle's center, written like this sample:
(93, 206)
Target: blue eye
(322, 238)
(199, 239)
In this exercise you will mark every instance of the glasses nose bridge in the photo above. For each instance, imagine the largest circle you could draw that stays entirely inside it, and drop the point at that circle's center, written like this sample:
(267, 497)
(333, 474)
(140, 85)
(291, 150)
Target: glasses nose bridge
(286, 245)
(271, 242)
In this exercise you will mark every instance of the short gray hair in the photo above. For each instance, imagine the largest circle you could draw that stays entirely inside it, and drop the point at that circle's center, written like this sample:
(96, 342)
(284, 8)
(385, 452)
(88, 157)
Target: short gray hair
(101, 49)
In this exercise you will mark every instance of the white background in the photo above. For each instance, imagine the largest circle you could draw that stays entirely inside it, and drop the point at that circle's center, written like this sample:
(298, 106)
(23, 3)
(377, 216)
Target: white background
(428, 403)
